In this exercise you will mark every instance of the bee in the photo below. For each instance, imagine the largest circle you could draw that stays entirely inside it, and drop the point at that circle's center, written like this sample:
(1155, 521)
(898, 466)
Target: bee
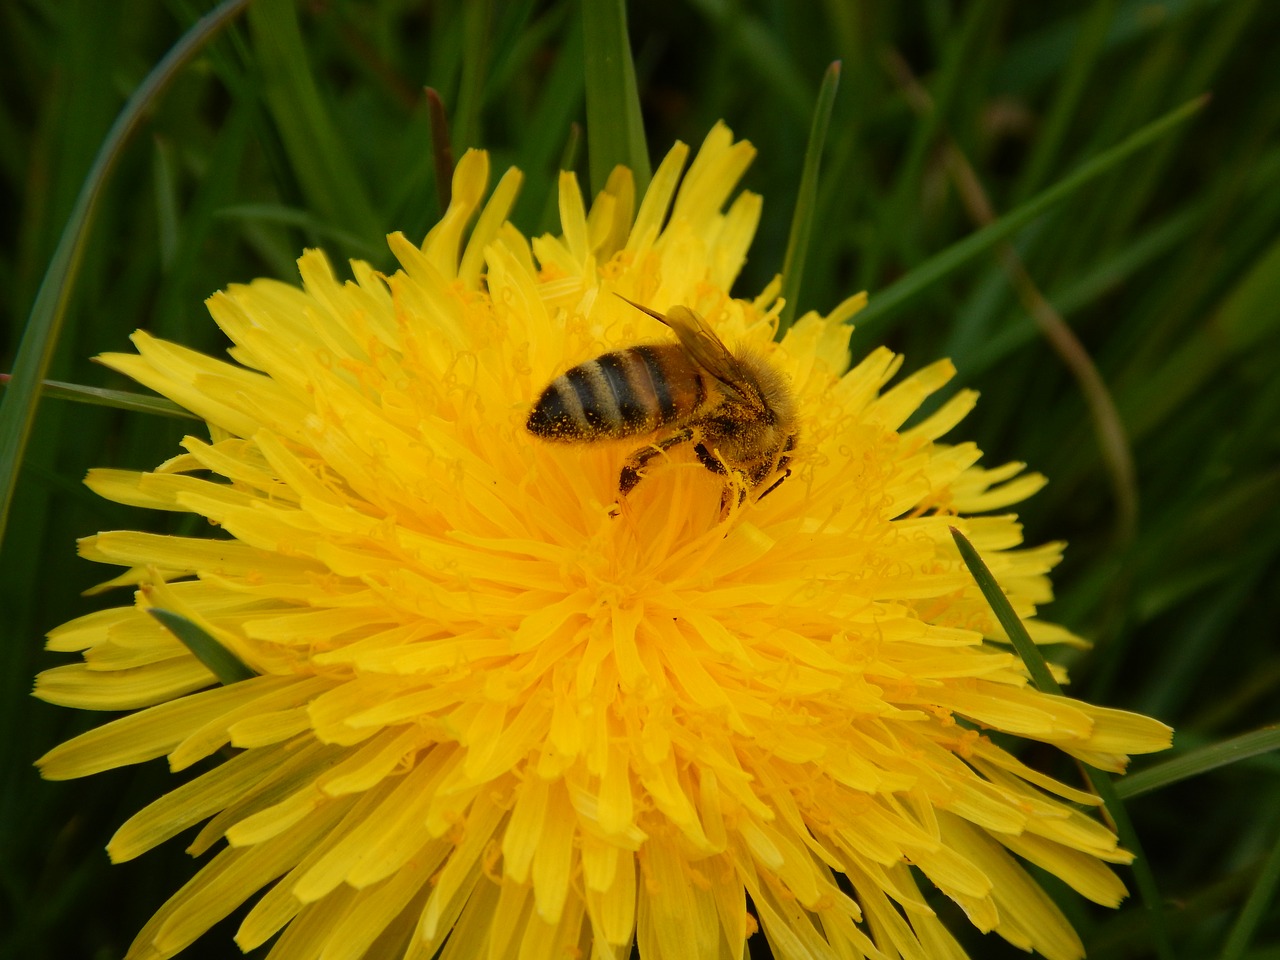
(735, 409)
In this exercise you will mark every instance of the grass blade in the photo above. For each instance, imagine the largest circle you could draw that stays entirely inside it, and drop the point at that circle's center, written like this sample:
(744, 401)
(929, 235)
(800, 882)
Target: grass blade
(303, 219)
(881, 314)
(974, 355)
(1000, 606)
(441, 151)
(1251, 914)
(102, 397)
(615, 129)
(1102, 783)
(553, 113)
(224, 664)
(1084, 57)
(17, 414)
(956, 54)
(549, 222)
(477, 18)
(1202, 760)
(318, 156)
(807, 198)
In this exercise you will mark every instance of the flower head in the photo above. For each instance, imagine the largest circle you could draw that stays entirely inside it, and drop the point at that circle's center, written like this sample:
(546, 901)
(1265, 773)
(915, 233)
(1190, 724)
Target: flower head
(497, 708)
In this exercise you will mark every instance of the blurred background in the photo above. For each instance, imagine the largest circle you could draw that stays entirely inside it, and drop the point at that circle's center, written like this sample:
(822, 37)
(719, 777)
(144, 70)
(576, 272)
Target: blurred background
(1126, 342)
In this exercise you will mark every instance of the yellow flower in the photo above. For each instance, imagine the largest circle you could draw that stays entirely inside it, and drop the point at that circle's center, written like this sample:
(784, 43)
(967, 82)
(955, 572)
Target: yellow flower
(487, 713)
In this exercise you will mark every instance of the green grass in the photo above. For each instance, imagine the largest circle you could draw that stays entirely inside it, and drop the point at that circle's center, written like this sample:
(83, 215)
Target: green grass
(308, 126)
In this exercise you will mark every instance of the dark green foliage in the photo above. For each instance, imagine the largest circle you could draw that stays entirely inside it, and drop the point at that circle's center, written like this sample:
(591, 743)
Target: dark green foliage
(307, 126)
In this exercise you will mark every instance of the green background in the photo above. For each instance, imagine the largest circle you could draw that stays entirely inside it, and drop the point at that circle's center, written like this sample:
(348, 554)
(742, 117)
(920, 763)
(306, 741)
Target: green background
(307, 126)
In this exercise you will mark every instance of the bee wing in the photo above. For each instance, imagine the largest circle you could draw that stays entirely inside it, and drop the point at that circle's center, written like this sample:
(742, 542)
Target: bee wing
(701, 343)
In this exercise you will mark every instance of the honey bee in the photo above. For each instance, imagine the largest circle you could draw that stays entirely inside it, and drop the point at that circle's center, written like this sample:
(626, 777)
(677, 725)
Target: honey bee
(736, 409)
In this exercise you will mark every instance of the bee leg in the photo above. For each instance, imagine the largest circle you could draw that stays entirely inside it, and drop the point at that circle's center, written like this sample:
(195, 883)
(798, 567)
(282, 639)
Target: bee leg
(776, 484)
(716, 465)
(724, 497)
(630, 474)
(781, 466)
(708, 459)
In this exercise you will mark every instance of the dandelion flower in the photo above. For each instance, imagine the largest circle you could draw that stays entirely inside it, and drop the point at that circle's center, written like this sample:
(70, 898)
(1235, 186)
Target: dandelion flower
(494, 713)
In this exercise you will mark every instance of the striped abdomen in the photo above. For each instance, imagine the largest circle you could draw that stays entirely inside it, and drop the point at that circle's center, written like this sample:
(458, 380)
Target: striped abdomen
(621, 394)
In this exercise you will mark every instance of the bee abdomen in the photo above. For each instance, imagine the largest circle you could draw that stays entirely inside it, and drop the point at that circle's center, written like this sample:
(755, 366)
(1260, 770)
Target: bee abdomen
(617, 394)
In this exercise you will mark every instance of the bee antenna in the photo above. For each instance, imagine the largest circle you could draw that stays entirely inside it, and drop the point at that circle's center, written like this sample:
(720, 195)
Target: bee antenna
(643, 309)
